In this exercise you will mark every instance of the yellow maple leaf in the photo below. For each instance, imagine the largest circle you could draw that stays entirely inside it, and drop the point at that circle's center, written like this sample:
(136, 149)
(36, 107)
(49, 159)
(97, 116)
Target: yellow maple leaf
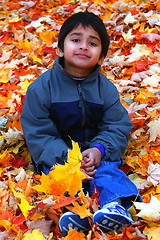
(74, 154)
(35, 58)
(17, 194)
(25, 85)
(45, 185)
(5, 75)
(70, 171)
(158, 189)
(145, 96)
(76, 183)
(1, 171)
(48, 36)
(25, 44)
(4, 79)
(15, 19)
(98, 2)
(25, 207)
(83, 211)
(74, 177)
(34, 235)
(55, 182)
(16, 148)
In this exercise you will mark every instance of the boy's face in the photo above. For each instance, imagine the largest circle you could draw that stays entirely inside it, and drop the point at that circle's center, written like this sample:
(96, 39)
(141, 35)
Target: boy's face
(82, 50)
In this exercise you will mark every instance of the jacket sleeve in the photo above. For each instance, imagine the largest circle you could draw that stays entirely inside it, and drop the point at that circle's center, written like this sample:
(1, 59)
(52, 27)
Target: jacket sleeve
(42, 137)
(115, 126)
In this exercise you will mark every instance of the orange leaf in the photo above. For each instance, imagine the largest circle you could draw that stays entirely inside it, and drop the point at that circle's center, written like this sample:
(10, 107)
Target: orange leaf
(61, 201)
(145, 96)
(73, 234)
(22, 184)
(82, 210)
(48, 36)
(126, 235)
(158, 6)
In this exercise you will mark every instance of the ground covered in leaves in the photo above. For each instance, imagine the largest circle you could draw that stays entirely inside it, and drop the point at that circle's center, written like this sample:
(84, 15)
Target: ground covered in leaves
(30, 204)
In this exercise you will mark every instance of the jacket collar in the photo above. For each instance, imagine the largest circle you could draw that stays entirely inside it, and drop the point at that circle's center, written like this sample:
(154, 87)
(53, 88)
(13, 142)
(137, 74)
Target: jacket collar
(60, 70)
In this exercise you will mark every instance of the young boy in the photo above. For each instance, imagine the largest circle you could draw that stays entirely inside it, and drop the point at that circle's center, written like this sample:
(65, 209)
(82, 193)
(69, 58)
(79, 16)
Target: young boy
(73, 100)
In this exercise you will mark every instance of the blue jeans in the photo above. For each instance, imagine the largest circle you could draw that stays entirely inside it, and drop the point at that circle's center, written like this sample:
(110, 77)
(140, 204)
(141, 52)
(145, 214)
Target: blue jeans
(111, 183)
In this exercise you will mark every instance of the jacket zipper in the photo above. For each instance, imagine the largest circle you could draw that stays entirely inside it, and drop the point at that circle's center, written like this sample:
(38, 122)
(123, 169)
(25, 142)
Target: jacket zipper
(82, 104)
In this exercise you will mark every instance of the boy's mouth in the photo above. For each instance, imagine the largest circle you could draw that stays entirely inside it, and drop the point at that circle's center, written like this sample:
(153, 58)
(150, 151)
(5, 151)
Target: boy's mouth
(82, 55)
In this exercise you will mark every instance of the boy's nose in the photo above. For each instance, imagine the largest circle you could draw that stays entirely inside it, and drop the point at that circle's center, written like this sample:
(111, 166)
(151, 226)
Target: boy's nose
(83, 46)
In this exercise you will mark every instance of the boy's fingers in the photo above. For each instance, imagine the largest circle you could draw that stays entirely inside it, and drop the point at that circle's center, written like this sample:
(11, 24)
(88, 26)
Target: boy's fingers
(86, 159)
(91, 173)
(87, 165)
(88, 177)
(90, 169)
(90, 163)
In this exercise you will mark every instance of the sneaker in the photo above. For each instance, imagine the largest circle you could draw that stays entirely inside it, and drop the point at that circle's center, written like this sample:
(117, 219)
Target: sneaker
(72, 220)
(112, 217)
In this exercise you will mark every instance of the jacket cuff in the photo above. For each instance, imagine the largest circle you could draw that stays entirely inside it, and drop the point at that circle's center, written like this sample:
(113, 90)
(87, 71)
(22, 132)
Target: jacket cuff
(100, 147)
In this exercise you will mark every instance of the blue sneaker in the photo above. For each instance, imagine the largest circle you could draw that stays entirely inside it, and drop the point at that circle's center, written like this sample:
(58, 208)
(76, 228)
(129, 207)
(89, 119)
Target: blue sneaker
(112, 217)
(70, 219)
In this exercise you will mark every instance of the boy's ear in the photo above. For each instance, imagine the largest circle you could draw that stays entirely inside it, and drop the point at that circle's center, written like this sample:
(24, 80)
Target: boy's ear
(100, 61)
(59, 52)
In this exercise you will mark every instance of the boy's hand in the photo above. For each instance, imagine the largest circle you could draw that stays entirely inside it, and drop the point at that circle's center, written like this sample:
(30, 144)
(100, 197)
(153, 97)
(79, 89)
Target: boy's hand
(91, 160)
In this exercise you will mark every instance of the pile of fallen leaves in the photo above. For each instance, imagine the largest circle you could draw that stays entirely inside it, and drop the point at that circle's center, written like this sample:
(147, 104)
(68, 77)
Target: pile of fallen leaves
(31, 204)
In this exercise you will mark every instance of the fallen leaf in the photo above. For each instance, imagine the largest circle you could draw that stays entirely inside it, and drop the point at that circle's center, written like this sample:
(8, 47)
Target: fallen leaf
(34, 235)
(151, 36)
(73, 234)
(130, 19)
(128, 36)
(154, 173)
(83, 211)
(25, 207)
(43, 225)
(152, 233)
(149, 211)
(154, 129)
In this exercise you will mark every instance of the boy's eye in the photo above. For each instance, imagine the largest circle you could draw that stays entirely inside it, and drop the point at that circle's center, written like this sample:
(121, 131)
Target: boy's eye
(76, 40)
(92, 44)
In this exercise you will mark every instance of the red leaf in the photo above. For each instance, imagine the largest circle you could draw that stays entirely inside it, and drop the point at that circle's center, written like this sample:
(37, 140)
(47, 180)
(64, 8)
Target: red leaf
(125, 168)
(18, 219)
(142, 65)
(48, 50)
(19, 162)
